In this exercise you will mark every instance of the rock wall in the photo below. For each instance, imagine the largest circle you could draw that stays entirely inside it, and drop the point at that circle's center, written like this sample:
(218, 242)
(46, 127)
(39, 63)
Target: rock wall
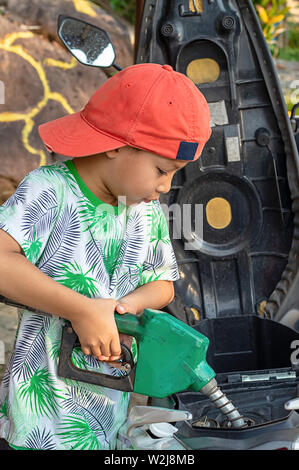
(40, 80)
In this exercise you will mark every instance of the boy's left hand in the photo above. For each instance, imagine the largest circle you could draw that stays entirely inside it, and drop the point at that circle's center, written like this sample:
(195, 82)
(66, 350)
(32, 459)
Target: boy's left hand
(125, 306)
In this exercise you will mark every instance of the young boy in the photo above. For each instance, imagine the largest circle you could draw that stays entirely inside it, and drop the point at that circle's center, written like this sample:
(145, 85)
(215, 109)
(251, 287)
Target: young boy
(84, 238)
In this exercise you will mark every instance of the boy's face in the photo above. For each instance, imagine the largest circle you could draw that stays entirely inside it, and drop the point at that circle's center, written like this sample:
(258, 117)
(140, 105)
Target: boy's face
(140, 175)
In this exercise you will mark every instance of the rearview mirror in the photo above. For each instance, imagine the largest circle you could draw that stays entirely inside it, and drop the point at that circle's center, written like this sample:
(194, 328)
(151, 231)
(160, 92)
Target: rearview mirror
(89, 44)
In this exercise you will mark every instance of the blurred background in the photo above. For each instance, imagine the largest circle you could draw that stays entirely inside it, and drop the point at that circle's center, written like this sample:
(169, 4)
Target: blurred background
(41, 81)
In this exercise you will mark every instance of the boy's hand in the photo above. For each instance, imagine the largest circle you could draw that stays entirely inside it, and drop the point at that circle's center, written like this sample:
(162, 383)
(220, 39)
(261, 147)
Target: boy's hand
(125, 305)
(97, 331)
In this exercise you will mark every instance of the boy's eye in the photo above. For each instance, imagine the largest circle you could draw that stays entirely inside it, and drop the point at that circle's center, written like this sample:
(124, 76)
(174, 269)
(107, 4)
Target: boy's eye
(161, 172)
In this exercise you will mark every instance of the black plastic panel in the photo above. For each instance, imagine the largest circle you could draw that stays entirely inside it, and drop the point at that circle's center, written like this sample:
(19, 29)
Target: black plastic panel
(250, 163)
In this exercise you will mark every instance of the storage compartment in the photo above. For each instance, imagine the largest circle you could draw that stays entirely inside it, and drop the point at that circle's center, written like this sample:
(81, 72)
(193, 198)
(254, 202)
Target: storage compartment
(256, 363)
(247, 343)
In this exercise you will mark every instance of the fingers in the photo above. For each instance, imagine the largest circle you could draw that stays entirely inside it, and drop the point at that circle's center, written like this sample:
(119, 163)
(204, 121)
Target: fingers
(127, 341)
(115, 349)
(86, 350)
(122, 308)
(103, 358)
(100, 353)
(104, 352)
(126, 307)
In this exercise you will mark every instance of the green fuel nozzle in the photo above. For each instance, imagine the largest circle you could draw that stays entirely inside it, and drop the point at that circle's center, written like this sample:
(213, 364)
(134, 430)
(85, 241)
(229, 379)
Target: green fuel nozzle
(171, 359)
(171, 354)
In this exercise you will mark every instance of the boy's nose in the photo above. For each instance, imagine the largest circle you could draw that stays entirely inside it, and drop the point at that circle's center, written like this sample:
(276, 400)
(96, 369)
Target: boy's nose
(165, 186)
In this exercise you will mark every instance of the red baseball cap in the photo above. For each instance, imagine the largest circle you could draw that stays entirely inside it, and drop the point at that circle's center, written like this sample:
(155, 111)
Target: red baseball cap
(148, 106)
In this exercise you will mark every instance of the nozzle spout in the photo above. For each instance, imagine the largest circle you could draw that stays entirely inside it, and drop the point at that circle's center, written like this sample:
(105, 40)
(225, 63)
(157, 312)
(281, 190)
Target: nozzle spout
(221, 402)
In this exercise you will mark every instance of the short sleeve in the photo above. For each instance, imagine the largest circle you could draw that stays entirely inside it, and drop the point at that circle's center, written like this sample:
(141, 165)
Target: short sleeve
(160, 263)
(29, 214)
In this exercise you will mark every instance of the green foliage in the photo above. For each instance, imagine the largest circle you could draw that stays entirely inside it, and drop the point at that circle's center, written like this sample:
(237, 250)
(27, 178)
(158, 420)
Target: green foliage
(275, 19)
(271, 15)
(293, 35)
(288, 53)
(291, 50)
(125, 8)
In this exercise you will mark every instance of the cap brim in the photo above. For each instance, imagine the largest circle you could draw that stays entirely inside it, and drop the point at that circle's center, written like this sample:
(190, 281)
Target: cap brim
(73, 137)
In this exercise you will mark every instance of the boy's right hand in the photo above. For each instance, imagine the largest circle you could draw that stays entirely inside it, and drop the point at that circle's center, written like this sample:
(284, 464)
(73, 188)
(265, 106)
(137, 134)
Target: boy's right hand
(97, 330)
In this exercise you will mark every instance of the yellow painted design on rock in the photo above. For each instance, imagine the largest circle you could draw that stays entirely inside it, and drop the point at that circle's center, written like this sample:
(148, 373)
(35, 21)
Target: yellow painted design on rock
(7, 44)
(62, 65)
(85, 7)
(218, 212)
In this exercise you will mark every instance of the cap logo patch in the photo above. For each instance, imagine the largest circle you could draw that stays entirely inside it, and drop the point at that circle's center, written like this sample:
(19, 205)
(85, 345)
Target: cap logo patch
(187, 150)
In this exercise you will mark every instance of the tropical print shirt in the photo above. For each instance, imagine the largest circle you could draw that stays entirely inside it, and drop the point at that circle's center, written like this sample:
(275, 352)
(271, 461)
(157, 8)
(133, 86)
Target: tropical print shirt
(99, 251)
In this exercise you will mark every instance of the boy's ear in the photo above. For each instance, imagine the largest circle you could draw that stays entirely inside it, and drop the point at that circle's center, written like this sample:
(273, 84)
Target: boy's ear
(112, 153)
(115, 152)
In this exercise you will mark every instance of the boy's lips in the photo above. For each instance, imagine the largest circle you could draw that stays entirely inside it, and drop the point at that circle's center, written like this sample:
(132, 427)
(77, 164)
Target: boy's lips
(150, 200)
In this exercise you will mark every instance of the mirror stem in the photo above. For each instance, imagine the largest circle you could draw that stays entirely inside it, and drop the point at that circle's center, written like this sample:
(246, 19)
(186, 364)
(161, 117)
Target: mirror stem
(117, 67)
